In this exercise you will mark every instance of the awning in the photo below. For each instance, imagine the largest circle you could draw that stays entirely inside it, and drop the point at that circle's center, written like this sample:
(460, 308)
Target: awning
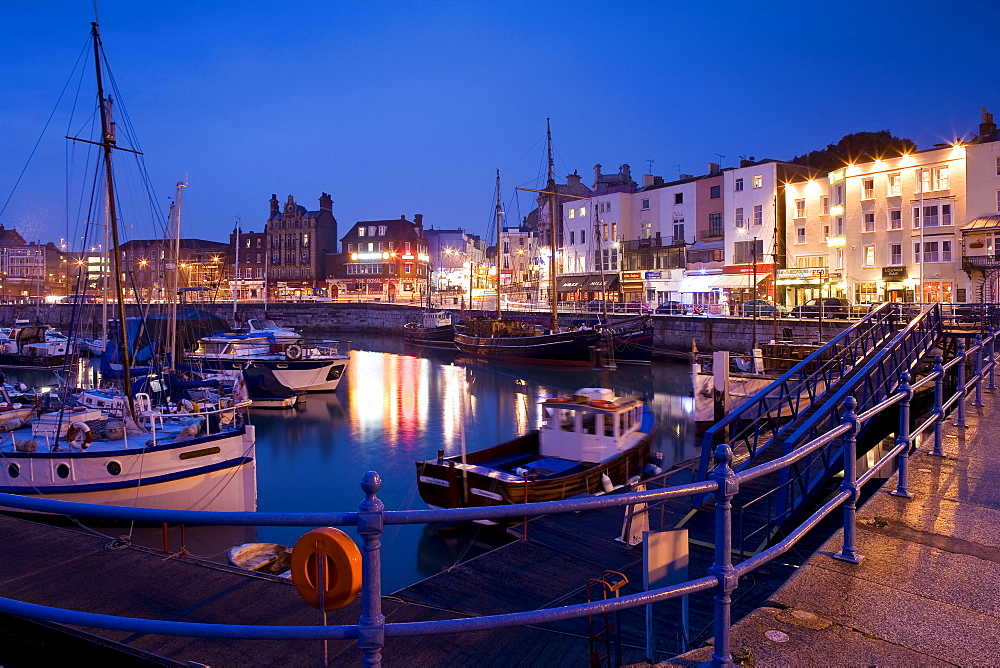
(572, 283)
(737, 281)
(983, 224)
(605, 283)
(706, 245)
(703, 283)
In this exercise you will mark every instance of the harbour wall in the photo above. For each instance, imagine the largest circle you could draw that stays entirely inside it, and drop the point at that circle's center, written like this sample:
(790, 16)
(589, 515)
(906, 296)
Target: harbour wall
(673, 335)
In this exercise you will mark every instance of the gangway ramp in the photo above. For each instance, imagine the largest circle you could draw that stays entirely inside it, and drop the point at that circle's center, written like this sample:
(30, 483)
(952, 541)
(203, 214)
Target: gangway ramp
(864, 362)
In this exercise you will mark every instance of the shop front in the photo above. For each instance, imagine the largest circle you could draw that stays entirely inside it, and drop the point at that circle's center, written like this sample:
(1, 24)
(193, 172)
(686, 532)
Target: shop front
(738, 284)
(801, 284)
(897, 287)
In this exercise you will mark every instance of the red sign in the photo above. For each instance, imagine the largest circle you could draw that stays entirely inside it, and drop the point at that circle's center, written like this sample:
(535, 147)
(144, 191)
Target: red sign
(748, 269)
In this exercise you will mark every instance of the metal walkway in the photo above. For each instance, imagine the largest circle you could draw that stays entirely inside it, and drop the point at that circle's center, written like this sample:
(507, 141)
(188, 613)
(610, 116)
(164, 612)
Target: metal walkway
(865, 361)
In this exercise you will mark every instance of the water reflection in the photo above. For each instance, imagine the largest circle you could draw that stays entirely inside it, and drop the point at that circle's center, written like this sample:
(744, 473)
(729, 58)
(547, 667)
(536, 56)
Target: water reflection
(397, 406)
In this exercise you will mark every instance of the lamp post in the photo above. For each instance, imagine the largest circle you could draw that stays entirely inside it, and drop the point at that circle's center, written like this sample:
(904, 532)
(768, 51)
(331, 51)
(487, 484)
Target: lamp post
(753, 298)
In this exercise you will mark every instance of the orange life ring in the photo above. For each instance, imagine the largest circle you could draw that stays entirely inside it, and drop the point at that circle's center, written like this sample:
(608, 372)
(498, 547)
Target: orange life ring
(342, 560)
(602, 403)
(79, 435)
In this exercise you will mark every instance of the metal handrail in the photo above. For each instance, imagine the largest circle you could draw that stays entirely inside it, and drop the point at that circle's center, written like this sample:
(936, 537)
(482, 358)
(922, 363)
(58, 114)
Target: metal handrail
(372, 629)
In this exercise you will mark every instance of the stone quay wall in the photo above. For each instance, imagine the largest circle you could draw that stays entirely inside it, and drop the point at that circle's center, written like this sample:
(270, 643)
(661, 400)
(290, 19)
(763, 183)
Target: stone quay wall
(673, 335)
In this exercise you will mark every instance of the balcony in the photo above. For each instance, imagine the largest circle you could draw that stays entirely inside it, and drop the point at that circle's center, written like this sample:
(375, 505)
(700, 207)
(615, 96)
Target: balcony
(712, 234)
(981, 262)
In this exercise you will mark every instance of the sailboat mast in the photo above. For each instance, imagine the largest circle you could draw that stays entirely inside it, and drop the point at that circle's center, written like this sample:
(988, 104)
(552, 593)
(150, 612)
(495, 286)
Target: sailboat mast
(108, 142)
(499, 217)
(236, 271)
(550, 186)
(175, 249)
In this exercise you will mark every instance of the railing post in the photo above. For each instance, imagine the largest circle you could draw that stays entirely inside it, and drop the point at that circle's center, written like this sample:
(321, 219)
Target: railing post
(849, 550)
(903, 437)
(978, 401)
(938, 407)
(371, 631)
(962, 359)
(992, 359)
(723, 570)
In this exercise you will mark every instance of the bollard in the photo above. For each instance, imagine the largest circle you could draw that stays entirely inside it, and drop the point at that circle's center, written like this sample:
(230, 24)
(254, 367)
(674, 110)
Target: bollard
(992, 359)
(978, 370)
(371, 631)
(903, 438)
(962, 359)
(938, 407)
(849, 550)
(723, 569)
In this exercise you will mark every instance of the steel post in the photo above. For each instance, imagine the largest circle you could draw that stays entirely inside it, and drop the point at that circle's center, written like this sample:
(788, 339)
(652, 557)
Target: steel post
(371, 631)
(903, 437)
(849, 550)
(978, 401)
(938, 406)
(723, 570)
(992, 359)
(962, 359)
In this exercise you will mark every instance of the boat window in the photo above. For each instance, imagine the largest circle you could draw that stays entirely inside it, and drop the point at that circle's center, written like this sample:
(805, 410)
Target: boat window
(609, 425)
(589, 425)
(567, 421)
(13, 470)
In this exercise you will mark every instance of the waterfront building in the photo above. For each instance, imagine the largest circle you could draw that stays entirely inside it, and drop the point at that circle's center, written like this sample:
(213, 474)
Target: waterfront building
(571, 195)
(915, 227)
(381, 260)
(248, 255)
(458, 263)
(520, 261)
(299, 241)
(202, 270)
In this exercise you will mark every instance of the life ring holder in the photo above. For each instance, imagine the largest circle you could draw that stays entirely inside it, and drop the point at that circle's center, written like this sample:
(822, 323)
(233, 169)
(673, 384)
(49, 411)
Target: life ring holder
(342, 561)
(293, 351)
(603, 403)
(79, 435)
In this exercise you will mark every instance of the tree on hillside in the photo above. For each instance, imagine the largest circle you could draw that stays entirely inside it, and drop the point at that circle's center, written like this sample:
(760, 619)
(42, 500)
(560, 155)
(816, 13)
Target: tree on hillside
(854, 148)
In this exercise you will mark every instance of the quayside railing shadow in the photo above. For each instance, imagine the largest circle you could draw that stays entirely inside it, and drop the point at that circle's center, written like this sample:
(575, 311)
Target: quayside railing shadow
(723, 482)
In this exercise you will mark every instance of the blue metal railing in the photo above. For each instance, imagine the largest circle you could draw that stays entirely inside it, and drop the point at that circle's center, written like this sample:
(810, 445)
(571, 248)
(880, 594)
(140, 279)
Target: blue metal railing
(723, 482)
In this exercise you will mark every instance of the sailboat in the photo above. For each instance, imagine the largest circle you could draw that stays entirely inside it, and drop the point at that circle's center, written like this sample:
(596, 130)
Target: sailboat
(134, 453)
(520, 340)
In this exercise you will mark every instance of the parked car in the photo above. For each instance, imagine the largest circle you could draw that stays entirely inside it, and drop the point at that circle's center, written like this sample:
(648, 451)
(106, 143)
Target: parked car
(637, 307)
(833, 307)
(763, 307)
(672, 308)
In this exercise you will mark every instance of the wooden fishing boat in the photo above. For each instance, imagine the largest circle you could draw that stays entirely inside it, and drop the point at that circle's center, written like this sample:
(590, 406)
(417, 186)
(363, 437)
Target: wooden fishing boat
(435, 330)
(589, 443)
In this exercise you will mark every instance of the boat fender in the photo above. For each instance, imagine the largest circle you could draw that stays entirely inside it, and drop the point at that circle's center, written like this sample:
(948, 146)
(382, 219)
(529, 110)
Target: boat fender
(521, 471)
(650, 470)
(190, 406)
(79, 435)
(606, 483)
(11, 425)
(293, 351)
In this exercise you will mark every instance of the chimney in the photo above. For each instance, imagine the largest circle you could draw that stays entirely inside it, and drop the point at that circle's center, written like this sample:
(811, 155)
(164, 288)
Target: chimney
(987, 127)
(647, 180)
(274, 205)
(573, 179)
(681, 177)
(418, 219)
(325, 203)
(713, 168)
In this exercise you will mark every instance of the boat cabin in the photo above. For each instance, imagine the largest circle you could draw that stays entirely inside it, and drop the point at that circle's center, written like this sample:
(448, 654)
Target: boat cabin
(591, 426)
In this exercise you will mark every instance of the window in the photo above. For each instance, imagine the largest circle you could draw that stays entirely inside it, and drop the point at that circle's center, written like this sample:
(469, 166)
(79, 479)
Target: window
(572, 238)
(572, 213)
(800, 235)
(758, 214)
(998, 165)
(361, 230)
(371, 230)
(894, 185)
(840, 259)
(866, 292)
(869, 258)
(715, 224)
(800, 208)
(738, 186)
(946, 214)
(895, 219)
(715, 192)
(381, 230)
(647, 231)
(931, 252)
(916, 252)
(678, 198)
(679, 231)
(739, 216)
(916, 217)
(747, 252)
(946, 251)
(305, 240)
(939, 178)
(998, 201)
(869, 219)
(583, 236)
(645, 205)
(838, 226)
(868, 188)
(826, 205)
(583, 211)
(758, 180)
(895, 254)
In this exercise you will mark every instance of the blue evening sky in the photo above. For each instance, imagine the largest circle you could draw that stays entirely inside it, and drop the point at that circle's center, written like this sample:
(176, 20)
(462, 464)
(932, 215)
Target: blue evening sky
(399, 107)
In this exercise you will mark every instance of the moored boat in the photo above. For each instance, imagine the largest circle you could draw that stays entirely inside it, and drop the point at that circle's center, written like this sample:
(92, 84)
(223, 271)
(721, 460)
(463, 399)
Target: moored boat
(435, 329)
(588, 443)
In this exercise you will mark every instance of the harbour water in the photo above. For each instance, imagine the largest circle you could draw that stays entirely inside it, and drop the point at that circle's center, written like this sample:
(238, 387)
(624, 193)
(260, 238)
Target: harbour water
(398, 405)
